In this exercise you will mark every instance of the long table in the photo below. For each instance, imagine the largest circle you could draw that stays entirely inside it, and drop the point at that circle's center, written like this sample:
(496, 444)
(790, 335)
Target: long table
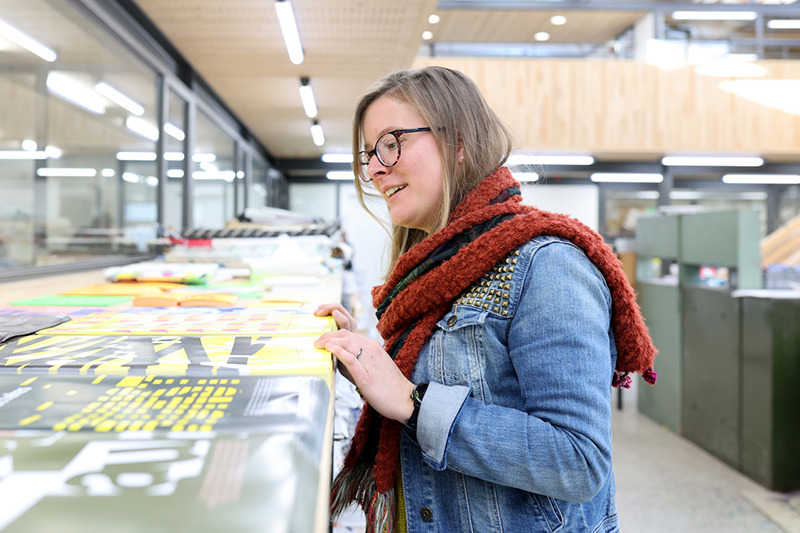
(135, 431)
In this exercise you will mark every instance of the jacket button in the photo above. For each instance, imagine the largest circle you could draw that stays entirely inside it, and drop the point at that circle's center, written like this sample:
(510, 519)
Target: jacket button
(452, 321)
(426, 514)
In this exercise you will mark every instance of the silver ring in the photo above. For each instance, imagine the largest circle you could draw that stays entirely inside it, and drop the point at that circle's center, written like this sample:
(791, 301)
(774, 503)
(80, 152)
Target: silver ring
(360, 351)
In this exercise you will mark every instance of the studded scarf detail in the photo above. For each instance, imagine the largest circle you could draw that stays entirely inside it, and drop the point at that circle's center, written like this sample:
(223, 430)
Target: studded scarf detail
(449, 267)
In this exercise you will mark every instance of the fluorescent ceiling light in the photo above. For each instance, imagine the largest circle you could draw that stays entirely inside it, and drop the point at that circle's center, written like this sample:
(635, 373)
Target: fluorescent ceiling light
(130, 177)
(307, 97)
(340, 175)
(173, 156)
(204, 158)
(626, 177)
(765, 179)
(289, 30)
(337, 158)
(53, 152)
(136, 156)
(22, 154)
(174, 131)
(26, 42)
(29, 145)
(120, 99)
(142, 127)
(175, 173)
(523, 159)
(714, 15)
(316, 134)
(67, 172)
(541, 36)
(69, 89)
(227, 175)
(703, 161)
(108, 172)
(152, 181)
(783, 24)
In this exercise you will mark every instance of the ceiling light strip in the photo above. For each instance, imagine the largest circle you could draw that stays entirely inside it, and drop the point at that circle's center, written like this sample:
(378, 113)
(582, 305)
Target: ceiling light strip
(783, 24)
(337, 158)
(71, 90)
(531, 159)
(316, 134)
(28, 43)
(142, 127)
(340, 175)
(120, 99)
(307, 97)
(289, 29)
(762, 179)
(628, 177)
(712, 161)
(67, 172)
(714, 15)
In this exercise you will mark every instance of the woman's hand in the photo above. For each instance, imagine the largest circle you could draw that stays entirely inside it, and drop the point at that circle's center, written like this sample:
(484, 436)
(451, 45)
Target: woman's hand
(373, 371)
(343, 319)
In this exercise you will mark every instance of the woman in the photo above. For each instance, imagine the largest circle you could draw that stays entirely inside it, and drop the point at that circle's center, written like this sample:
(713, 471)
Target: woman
(489, 403)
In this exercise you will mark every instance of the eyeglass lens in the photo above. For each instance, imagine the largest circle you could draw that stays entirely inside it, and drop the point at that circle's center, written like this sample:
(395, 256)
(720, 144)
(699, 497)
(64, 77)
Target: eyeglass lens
(388, 149)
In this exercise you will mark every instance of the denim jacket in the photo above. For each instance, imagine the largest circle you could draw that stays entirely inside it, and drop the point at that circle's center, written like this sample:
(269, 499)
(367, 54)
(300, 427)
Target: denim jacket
(514, 431)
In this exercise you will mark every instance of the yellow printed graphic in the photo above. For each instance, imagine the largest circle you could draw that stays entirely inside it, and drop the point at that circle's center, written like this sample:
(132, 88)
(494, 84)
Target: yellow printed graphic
(138, 356)
(147, 403)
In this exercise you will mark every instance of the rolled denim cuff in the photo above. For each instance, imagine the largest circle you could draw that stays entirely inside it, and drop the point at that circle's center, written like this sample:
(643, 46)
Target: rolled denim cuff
(437, 415)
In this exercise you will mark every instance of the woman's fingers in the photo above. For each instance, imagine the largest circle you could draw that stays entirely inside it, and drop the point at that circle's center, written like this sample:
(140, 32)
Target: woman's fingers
(343, 319)
(373, 371)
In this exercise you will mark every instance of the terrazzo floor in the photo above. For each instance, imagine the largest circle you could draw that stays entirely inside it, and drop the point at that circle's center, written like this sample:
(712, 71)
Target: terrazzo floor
(667, 484)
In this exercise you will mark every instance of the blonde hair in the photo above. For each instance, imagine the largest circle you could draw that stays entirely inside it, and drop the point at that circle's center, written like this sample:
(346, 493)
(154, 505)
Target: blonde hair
(453, 106)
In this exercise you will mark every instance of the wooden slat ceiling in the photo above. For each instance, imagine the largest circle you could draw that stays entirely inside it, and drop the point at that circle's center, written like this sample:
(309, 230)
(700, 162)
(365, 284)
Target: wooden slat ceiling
(514, 26)
(237, 47)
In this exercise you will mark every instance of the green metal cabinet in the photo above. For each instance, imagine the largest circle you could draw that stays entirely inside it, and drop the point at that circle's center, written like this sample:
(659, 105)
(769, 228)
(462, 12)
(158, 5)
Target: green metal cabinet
(711, 371)
(661, 308)
(771, 391)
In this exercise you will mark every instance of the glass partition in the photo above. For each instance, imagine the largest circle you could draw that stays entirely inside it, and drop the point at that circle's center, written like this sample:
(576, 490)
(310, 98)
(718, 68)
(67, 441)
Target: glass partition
(174, 153)
(259, 184)
(73, 105)
(213, 174)
(80, 130)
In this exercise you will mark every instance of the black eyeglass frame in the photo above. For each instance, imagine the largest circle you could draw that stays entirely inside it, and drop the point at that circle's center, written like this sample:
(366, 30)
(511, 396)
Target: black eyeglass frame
(365, 156)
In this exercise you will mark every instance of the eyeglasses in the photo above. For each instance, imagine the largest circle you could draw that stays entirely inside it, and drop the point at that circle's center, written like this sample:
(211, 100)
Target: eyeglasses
(387, 149)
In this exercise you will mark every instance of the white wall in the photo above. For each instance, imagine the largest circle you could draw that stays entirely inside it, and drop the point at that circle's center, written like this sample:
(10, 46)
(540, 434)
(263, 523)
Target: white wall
(579, 201)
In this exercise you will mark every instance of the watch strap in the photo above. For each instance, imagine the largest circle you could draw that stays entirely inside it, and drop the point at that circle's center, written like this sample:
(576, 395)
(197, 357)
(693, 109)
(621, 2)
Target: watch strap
(416, 397)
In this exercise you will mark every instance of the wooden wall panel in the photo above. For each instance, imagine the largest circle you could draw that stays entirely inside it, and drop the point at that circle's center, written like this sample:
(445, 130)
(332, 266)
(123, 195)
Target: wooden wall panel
(630, 108)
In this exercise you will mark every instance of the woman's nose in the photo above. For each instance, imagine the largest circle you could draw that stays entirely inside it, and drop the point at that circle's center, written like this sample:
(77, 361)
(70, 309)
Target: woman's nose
(375, 169)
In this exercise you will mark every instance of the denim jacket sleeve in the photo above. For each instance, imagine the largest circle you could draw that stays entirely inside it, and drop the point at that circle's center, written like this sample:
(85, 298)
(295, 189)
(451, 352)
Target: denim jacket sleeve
(529, 402)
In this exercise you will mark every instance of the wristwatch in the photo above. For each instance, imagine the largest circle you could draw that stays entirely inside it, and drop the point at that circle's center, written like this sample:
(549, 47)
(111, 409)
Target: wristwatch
(416, 396)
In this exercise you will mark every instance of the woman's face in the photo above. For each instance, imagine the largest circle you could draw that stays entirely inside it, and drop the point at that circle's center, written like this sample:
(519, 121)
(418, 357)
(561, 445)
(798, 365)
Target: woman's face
(413, 187)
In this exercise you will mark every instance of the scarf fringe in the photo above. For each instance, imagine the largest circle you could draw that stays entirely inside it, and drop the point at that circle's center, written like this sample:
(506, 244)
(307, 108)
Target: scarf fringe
(351, 485)
(382, 512)
(357, 485)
